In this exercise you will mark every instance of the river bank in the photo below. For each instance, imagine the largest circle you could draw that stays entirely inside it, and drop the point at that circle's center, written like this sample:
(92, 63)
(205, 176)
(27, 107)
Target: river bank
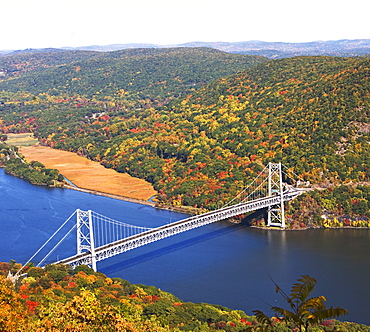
(91, 177)
(179, 209)
(82, 174)
(100, 193)
(222, 263)
(88, 174)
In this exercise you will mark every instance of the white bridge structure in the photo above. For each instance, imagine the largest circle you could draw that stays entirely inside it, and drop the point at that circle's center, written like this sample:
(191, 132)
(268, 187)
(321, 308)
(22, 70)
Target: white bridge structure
(100, 237)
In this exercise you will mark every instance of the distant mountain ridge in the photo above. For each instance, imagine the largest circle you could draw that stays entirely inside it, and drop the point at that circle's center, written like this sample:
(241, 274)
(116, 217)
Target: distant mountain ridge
(272, 50)
(199, 123)
(157, 74)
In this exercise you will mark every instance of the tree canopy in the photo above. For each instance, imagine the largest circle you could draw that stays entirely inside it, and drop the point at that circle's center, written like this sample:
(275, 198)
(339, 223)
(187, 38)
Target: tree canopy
(163, 115)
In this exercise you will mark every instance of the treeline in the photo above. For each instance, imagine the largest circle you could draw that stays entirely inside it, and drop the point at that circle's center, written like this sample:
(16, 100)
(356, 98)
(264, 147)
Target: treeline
(144, 76)
(16, 65)
(57, 298)
(342, 206)
(310, 113)
(34, 171)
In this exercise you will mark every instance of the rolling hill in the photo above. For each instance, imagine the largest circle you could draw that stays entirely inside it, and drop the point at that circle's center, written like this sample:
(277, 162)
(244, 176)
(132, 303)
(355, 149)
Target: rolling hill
(197, 139)
(271, 50)
(153, 74)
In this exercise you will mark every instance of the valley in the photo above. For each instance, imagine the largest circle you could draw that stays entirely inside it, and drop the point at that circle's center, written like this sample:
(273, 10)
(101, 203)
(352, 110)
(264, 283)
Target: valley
(198, 124)
(192, 126)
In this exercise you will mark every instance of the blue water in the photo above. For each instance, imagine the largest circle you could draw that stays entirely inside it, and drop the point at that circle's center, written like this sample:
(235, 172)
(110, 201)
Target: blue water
(221, 263)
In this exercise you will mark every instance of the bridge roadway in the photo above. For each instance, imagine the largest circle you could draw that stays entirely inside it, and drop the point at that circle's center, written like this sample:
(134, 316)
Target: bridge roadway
(174, 228)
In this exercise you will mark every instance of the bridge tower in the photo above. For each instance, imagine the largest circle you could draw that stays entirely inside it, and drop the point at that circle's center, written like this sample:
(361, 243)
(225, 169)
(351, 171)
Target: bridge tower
(85, 235)
(275, 213)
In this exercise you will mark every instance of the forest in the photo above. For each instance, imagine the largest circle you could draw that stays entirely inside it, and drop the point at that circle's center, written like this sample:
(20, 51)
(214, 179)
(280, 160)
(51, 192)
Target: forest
(199, 124)
(59, 299)
(143, 76)
(34, 171)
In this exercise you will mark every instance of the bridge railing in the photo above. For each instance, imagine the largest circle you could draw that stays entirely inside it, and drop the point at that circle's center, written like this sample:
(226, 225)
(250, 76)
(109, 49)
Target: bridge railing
(174, 228)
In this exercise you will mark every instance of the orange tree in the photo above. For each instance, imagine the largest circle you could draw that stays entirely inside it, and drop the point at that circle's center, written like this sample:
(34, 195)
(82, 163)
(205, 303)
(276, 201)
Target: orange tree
(14, 310)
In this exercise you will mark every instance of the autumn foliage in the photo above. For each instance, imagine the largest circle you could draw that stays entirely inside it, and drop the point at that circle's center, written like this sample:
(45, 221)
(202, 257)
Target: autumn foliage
(59, 299)
(200, 141)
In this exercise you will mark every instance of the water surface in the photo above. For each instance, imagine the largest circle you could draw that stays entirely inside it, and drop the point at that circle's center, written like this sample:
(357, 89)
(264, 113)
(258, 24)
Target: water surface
(221, 263)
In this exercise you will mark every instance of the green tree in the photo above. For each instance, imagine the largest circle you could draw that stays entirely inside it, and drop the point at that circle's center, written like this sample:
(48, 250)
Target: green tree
(304, 311)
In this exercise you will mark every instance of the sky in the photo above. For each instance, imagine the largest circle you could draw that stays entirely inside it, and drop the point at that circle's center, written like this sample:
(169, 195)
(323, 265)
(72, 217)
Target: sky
(72, 23)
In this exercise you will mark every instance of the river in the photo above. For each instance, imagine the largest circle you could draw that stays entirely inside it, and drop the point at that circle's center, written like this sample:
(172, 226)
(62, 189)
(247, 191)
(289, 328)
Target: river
(221, 263)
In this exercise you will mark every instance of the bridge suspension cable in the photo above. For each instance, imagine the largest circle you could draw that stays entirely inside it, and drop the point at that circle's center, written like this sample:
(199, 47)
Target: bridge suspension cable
(95, 230)
(252, 187)
(99, 237)
(259, 186)
(108, 230)
(50, 238)
(297, 177)
(104, 230)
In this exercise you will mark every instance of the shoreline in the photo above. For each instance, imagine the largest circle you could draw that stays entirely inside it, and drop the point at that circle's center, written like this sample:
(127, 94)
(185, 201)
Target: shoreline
(88, 174)
(130, 199)
(100, 193)
(182, 210)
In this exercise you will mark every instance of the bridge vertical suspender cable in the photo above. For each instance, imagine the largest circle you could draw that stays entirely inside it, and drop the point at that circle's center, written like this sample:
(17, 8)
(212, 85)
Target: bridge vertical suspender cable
(100, 237)
(95, 230)
(271, 184)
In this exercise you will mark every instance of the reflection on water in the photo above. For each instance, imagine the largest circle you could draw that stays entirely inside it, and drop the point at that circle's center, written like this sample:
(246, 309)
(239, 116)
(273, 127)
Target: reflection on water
(221, 263)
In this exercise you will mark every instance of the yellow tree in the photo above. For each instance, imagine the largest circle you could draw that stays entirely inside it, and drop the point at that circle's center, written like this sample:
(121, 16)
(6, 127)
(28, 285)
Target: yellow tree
(13, 312)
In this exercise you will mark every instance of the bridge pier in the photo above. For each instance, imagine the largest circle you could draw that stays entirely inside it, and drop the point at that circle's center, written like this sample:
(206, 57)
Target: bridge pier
(85, 236)
(118, 237)
(275, 213)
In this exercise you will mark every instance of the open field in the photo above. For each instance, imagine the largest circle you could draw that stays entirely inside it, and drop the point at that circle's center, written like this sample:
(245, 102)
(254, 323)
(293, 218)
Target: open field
(88, 174)
(25, 139)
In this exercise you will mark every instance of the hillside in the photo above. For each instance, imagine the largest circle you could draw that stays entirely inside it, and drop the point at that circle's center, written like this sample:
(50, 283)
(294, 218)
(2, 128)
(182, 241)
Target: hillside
(20, 63)
(59, 299)
(310, 113)
(143, 75)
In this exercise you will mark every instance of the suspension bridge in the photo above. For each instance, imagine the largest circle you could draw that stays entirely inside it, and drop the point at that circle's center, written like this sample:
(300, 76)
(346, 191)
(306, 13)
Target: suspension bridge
(100, 237)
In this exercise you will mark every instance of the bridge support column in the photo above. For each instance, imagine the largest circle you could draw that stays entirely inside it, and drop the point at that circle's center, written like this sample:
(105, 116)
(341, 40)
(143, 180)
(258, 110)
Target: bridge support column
(85, 235)
(275, 213)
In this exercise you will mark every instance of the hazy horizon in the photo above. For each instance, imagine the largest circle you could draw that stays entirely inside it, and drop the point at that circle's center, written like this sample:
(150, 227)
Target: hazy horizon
(80, 23)
(185, 43)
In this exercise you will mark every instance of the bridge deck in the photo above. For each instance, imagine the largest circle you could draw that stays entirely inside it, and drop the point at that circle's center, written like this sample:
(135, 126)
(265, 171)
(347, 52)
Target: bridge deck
(176, 227)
